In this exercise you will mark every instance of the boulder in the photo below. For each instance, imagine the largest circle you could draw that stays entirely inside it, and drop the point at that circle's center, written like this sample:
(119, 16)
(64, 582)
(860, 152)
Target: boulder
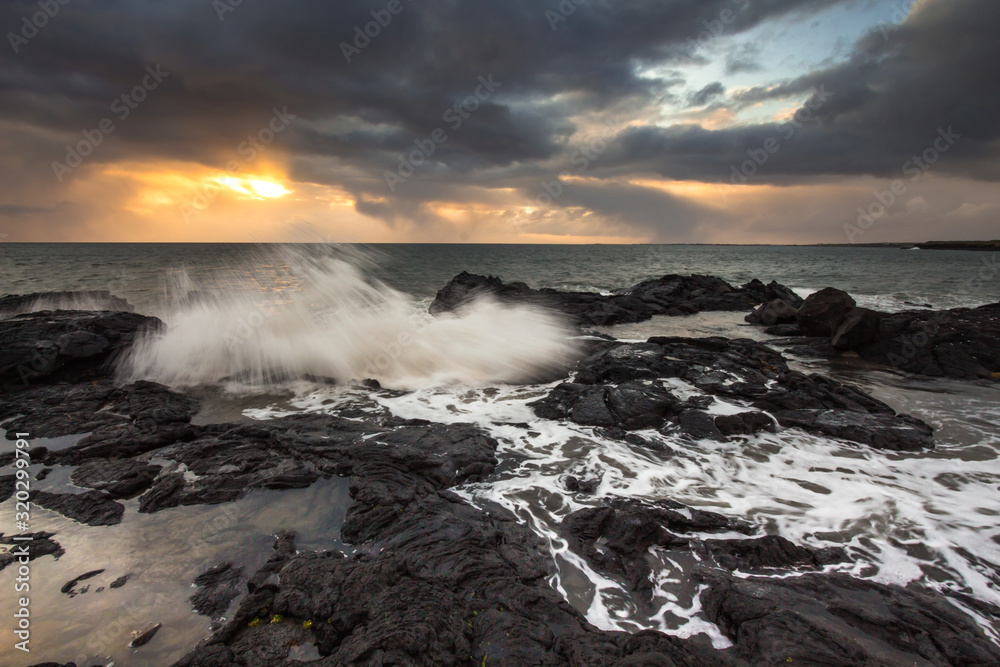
(822, 312)
(744, 423)
(860, 327)
(774, 312)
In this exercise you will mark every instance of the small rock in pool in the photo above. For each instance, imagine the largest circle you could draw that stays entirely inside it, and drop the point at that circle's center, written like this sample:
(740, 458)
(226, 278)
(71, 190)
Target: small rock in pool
(142, 638)
(70, 585)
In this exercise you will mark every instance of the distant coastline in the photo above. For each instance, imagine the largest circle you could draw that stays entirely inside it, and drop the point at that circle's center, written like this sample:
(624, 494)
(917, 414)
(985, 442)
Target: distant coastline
(929, 245)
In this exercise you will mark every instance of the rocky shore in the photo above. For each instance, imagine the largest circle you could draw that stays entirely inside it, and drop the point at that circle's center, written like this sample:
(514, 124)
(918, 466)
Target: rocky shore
(435, 580)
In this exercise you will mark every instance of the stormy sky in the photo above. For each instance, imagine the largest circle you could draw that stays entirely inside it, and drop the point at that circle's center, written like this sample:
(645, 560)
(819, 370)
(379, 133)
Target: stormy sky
(523, 121)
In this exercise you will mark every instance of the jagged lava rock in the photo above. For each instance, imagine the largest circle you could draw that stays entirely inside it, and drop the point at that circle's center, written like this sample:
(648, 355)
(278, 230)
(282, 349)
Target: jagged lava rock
(671, 295)
(66, 346)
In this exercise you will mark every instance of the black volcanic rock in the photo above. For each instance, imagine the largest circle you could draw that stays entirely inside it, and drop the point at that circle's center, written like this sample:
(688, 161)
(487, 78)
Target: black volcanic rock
(93, 508)
(120, 478)
(821, 313)
(741, 370)
(217, 588)
(7, 486)
(962, 343)
(50, 411)
(70, 586)
(616, 537)
(858, 328)
(699, 425)
(435, 582)
(670, 295)
(65, 346)
(40, 544)
(744, 423)
(16, 304)
(770, 552)
(773, 291)
(630, 405)
(773, 313)
(812, 618)
(835, 619)
(879, 431)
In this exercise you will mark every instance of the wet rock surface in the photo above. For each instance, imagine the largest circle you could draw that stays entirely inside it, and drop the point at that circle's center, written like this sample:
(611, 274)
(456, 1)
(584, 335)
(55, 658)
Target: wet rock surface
(962, 343)
(70, 586)
(40, 544)
(441, 583)
(835, 619)
(93, 508)
(434, 580)
(217, 588)
(606, 393)
(616, 538)
(7, 486)
(66, 346)
(122, 478)
(671, 295)
(60, 409)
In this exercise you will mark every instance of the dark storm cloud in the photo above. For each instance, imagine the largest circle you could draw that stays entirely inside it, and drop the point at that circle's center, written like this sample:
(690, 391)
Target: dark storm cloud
(354, 119)
(225, 75)
(939, 69)
(707, 94)
(658, 214)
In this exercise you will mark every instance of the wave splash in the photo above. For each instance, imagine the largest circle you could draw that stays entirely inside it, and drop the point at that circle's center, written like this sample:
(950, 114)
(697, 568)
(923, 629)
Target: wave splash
(312, 312)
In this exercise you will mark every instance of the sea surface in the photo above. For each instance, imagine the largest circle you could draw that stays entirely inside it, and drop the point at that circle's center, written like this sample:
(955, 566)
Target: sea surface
(251, 327)
(883, 277)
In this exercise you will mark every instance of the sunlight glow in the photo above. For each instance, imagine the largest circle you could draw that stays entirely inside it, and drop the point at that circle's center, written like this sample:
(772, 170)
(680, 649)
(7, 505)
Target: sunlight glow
(253, 187)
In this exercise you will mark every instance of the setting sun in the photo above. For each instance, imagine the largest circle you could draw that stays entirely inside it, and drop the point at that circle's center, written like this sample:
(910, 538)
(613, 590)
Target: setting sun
(255, 188)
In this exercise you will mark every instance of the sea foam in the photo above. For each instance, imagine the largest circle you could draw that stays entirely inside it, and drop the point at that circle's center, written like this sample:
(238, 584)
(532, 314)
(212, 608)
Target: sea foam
(317, 314)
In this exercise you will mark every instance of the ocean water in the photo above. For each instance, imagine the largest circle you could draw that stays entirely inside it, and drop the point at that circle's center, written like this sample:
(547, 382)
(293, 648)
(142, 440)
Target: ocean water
(251, 327)
(883, 277)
